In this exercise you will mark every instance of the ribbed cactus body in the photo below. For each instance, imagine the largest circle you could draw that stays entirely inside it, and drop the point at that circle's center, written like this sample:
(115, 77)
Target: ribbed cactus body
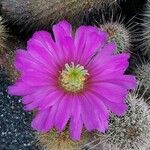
(3, 36)
(42, 13)
(119, 34)
(143, 74)
(60, 141)
(145, 38)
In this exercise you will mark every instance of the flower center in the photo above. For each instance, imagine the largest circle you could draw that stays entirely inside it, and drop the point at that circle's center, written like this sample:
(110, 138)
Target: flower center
(73, 77)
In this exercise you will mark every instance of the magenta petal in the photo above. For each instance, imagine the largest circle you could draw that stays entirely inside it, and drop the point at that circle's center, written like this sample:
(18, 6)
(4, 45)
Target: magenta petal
(24, 61)
(67, 48)
(38, 122)
(36, 81)
(117, 64)
(42, 41)
(76, 124)
(93, 44)
(76, 129)
(49, 123)
(116, 95)
(63, 113)
(126, 81)
(88, 41)
(109, 69)
(76, 108)
(118, 109)
(20, 89)
(51, 99)
(30, 77)
(104, 54)
(88, 115)
(61, 30)
(43, 48)
(66, 27)
(44, 120)
(27, 99)
(36, 98)
(80, 37)
(43, 52)
(101, 112)
(107, 50)
(94, 114)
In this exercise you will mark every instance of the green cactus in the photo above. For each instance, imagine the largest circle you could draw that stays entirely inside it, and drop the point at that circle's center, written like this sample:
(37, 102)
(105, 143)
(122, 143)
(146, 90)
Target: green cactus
(120, 31)
(3, 36)
(143, 74)
(60, 141)
(145, 38)
(119, 34)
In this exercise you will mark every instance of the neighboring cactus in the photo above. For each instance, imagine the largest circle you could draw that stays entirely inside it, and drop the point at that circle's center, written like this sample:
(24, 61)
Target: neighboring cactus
(130, 132)
(143, 74)
(145, 38)
(13, 43)
(120, 31)
(60, 141)
(43, 13)
(3, 36)
(119, 34)
(7, 51)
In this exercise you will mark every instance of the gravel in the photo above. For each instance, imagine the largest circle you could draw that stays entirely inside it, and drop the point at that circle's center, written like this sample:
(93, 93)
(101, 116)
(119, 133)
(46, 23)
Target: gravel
(15, 130)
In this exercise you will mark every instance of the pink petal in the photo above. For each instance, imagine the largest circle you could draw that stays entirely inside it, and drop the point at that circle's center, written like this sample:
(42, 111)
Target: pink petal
(66, 26)
(107, 50)
(118, 109)
(126, 81)
(67, 48)
(38, 122)
(76, 108)
(76, 129)
(43, 51)
(117, 63)
(112, 92)
(76, 124)
(49, 123)
(87, 41)
(20, 89)
(24, 61)
(100, 111)
(93, 44)
(44, 120)
(88, 114)
(61, 30)
(34, 100)
(111, 68)
(63, 113)
(51, 99)
(37, 80)
(80, 39)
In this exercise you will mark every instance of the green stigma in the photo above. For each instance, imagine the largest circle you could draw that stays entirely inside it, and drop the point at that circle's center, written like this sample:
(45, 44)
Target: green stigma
(72, 77)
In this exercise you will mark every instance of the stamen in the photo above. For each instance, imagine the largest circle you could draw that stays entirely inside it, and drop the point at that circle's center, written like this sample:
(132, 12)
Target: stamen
(73, 77)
